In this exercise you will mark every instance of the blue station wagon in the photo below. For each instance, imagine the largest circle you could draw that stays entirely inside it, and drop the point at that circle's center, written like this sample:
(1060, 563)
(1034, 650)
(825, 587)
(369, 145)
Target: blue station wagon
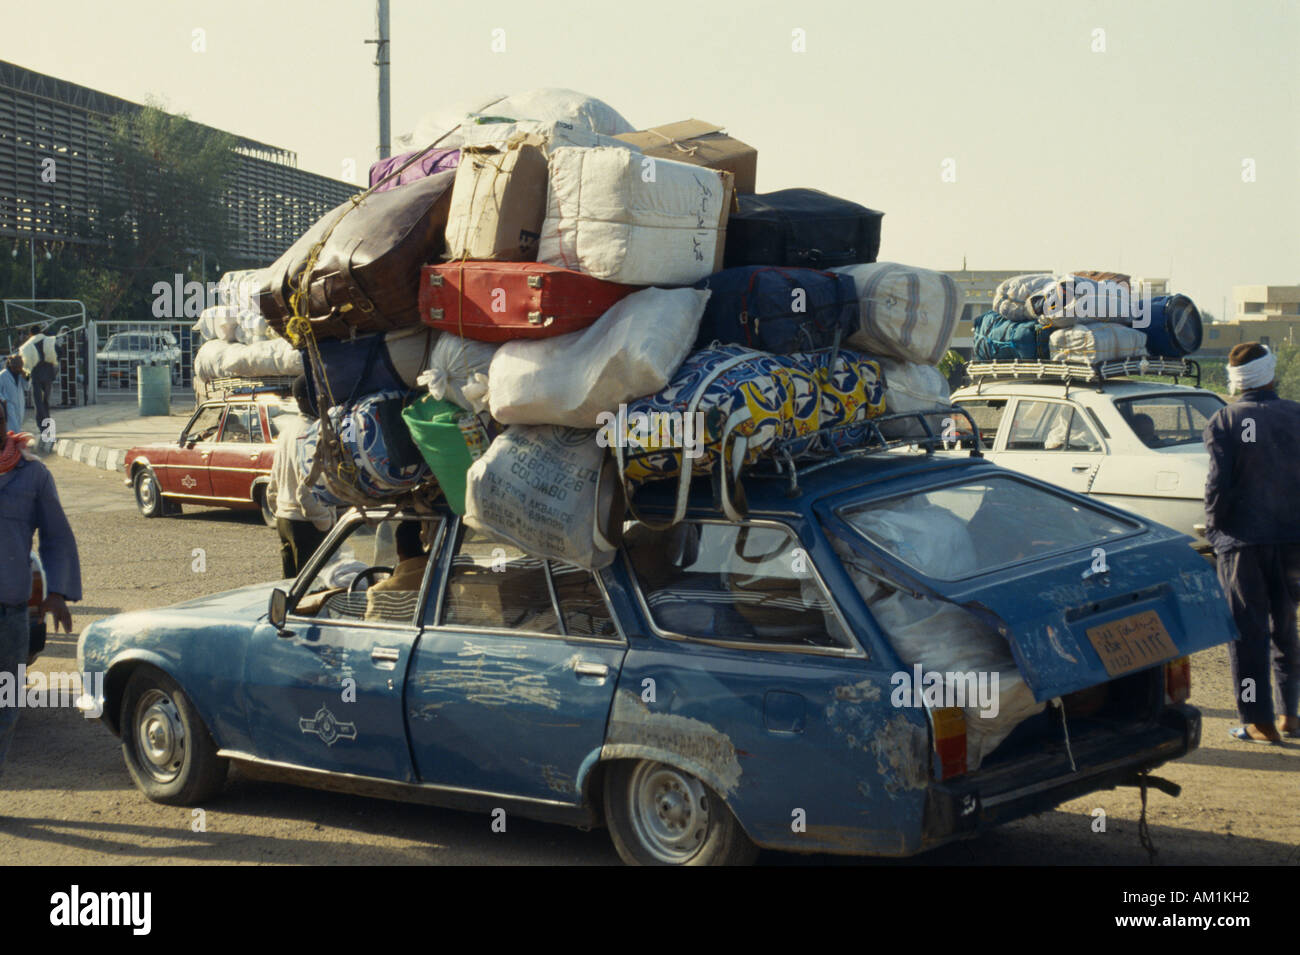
(722, 686)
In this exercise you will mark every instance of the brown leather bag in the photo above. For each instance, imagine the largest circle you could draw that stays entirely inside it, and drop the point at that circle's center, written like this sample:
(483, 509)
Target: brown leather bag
(367, 276)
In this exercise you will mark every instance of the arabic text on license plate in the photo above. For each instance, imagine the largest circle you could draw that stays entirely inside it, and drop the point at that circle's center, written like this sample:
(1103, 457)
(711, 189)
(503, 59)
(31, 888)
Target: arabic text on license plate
(1132, 643)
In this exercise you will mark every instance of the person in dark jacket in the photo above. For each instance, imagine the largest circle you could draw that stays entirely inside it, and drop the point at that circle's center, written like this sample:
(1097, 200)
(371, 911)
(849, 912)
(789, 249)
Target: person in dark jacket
(1252, 521)
(29, 503)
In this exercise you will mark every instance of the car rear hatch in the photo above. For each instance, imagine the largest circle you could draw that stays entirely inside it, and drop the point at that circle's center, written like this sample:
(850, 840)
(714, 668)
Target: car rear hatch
(1083, 593)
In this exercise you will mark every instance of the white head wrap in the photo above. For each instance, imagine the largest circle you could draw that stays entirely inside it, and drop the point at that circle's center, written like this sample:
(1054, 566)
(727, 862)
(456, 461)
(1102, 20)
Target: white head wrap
(1253, 374)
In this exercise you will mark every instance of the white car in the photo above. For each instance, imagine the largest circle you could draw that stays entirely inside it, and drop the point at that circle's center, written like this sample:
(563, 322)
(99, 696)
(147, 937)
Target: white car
(1134, 444)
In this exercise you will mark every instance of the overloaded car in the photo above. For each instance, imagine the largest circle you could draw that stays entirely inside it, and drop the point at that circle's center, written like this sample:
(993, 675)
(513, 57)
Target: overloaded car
(221, 459)
(1132, 443)
(723, 685)
(124, 352)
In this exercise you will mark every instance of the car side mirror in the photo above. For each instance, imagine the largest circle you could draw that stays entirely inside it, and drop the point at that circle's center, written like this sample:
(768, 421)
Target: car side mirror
(278, 609)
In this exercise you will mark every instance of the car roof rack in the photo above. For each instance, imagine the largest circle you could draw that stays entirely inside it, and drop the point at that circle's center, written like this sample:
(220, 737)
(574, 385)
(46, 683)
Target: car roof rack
(233, 387)
(818, 449)
(1082, 372)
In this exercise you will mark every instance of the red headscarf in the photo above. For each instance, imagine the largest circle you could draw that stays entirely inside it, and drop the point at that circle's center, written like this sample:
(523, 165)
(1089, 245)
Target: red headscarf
(14, 450)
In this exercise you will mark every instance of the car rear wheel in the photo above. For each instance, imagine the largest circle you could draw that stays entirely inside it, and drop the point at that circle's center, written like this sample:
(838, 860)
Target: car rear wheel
(168, 751)
(268, 514)
(661, 815)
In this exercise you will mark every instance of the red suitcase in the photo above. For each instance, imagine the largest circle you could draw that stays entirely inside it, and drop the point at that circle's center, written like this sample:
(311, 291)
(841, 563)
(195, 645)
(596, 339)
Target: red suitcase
(498, 301)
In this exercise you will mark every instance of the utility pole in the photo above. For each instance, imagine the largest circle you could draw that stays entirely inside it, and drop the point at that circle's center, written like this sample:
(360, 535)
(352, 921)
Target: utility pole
(381, 61)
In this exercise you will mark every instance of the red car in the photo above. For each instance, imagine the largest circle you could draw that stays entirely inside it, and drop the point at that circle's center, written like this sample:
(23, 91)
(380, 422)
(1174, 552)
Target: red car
(222, 459)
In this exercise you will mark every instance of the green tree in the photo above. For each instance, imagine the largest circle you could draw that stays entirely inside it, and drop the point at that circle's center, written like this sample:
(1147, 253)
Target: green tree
(170, 177)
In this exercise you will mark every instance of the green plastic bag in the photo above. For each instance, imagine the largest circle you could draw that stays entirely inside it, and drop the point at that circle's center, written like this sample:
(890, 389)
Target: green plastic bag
(435, 429)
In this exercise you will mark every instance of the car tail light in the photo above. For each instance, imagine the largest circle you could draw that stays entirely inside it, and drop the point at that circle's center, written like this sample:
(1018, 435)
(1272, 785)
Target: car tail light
(949, 740)
(1178, 680)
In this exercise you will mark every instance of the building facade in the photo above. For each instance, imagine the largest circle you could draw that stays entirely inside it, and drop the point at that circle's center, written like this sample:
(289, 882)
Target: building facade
(53, 168)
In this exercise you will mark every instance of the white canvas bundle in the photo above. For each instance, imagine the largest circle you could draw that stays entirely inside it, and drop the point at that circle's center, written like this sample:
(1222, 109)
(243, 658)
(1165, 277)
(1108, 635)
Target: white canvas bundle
(274, 357)
(540, 489)
(631, 351)
(904, 312)
(1096, 341)
(910, 386)
(553, 134)
(605, 219)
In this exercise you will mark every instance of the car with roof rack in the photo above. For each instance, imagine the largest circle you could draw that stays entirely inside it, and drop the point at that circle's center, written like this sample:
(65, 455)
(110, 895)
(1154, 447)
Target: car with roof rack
(222, 457)
(722, 685)
(1097, 430)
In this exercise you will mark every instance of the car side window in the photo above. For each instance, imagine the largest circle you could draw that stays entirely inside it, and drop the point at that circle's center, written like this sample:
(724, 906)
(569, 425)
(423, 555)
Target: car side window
(988, 415)
(1050, 426)
(734, 582)
(238, 426)
(205, 424)
(493, 585)
(375, 573)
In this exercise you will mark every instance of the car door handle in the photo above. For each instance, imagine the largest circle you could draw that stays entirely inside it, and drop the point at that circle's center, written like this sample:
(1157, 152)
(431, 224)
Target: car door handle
(583, 668)
(384, 655)
(253, 457)
(1081, 468)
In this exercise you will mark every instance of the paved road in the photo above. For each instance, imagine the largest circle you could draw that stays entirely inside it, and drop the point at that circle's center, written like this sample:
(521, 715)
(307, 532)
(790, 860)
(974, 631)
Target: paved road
(66, 796)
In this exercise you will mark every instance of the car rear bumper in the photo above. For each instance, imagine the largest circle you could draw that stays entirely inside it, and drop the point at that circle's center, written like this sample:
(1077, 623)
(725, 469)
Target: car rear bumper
(960, 808)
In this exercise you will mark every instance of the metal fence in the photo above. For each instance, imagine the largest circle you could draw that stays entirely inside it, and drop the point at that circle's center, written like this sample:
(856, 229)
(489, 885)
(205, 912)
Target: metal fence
(115, 350)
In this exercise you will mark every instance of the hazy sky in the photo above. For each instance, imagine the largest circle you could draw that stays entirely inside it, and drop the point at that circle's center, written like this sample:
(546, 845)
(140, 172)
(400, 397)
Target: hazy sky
(1065, 155)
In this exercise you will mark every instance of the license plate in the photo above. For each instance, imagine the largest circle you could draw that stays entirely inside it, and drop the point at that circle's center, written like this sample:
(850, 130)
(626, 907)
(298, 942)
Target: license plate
(1132, 643)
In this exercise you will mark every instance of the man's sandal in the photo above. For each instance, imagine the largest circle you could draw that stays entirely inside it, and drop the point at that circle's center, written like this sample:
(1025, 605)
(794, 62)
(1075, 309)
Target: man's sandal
(1242, 734)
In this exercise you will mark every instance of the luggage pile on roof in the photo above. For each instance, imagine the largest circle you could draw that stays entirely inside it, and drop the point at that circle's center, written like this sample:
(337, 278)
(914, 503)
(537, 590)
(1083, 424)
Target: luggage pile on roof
(1085, 316)
(543, 310)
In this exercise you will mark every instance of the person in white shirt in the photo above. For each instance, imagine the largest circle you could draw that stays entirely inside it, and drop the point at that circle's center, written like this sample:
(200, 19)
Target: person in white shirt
(300, 518)
(41, 365)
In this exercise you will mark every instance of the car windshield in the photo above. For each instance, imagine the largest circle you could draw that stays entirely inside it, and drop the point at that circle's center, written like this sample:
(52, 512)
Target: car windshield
(963, 530)
(1166, 421)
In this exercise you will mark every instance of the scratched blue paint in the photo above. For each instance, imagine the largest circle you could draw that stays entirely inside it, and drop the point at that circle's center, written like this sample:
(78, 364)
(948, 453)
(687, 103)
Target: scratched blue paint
(777, 735)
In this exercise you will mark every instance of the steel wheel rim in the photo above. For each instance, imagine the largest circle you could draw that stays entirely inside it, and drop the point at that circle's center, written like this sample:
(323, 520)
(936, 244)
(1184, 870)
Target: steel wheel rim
(669, 812)
(160, 736)
(145, 492)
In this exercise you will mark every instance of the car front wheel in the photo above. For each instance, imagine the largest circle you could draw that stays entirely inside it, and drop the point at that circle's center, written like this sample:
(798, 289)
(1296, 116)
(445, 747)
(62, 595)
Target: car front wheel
(661, 815)
(168, 750)
(148, 495)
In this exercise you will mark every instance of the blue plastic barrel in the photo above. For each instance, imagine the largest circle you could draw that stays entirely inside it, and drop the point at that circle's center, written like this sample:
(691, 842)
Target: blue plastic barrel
(1175, 328)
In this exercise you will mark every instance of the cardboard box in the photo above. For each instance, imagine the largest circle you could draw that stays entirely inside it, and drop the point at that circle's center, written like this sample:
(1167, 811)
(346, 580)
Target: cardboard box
(498, 201)
(701, 143)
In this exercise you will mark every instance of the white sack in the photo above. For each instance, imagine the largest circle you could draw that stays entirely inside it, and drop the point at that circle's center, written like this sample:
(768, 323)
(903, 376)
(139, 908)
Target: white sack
(274, 357)
(904, 312)
(631, 351)
(537, 488)
(910, 386)
(458, 365)
(218, 322)
(553, 135)
(604, 219)
(253, 327)
(1096, 341)
(1013, 297)
(240, 289)
(544, 105)
(945, 639)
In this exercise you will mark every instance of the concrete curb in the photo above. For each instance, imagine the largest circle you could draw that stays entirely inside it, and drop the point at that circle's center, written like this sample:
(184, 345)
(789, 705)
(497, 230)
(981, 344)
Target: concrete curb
(109, 459)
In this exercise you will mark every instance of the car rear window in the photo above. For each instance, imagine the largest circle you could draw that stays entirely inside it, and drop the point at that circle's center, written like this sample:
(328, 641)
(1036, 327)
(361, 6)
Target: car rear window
(964, 530)
(1166, 421)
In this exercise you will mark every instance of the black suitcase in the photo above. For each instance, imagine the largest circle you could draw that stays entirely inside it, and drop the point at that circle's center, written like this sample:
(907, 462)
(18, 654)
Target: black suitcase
(801, 227)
